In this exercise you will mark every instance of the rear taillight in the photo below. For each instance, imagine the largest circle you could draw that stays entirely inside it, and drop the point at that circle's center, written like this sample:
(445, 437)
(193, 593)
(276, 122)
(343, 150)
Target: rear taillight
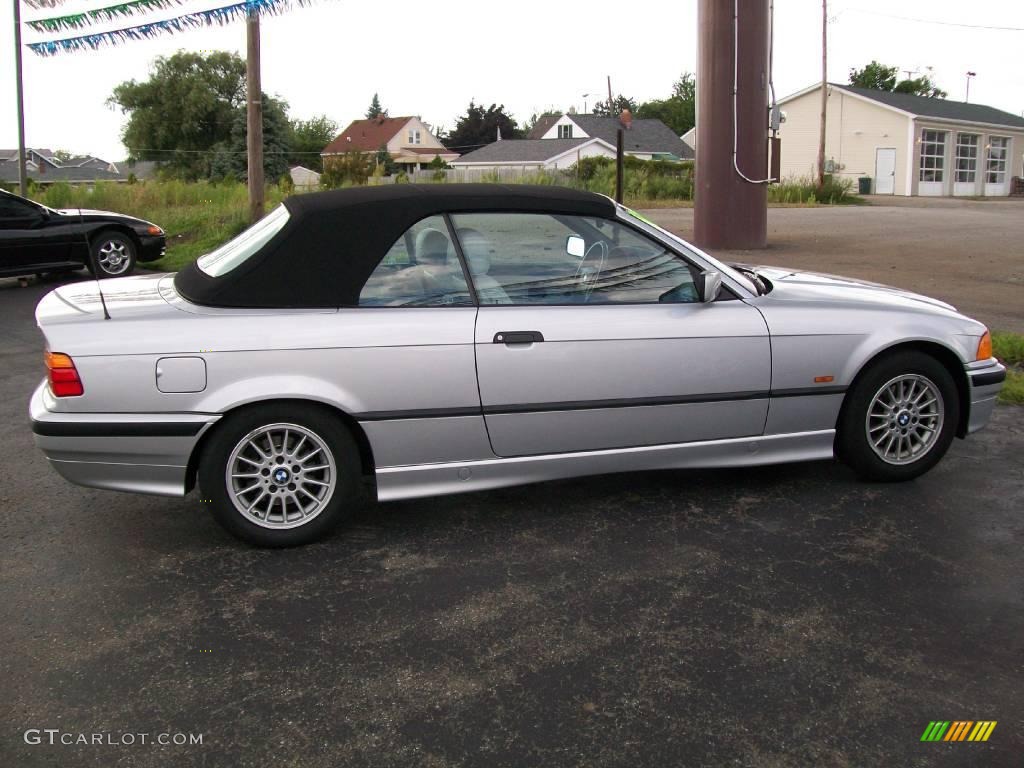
(64, 381)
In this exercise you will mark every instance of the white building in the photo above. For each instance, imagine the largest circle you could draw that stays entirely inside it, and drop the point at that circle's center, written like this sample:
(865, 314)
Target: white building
(908, 145)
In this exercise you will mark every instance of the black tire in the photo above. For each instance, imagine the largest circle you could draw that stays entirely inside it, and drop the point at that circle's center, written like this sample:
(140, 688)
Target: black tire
(232, 432)
(113, 253)
(855, 447)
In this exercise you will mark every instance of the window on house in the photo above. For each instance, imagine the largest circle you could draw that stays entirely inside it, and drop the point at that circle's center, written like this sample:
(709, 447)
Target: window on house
(565, 131)
(414, 136)
(933, 155)
(966, 157)
(995, 165)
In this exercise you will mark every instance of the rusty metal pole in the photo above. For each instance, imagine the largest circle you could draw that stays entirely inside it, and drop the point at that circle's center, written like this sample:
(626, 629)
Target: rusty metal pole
(254, 116)
(731, 212)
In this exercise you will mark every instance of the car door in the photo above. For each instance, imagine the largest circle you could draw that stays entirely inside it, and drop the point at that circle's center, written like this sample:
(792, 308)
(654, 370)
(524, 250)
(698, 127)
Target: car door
(605, 343)
(21, 235)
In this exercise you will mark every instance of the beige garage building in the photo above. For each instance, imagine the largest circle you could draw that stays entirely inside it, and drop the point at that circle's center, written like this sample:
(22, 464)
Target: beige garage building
(908, 145)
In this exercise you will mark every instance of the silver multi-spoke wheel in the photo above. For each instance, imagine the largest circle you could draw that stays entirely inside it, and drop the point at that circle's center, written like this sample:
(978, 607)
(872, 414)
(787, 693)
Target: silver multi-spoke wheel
(905, 419)
(114, 256)
(281, 475)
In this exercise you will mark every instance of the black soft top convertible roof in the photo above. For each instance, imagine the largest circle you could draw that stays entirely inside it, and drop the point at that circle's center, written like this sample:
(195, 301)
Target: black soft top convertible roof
(334, 240)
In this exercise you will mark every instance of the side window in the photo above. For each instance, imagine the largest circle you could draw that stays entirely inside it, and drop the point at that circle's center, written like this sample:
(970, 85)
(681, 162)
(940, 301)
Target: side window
(525, 258)
(15, 211)
(420, 270)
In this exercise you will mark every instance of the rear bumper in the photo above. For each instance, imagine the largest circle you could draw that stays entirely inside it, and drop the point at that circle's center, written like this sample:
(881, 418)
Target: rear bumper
(986, 378)
(139, 452)
(152, 247)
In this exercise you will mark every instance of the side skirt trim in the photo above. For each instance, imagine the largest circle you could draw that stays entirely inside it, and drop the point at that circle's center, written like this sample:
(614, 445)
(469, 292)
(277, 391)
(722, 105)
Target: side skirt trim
(410, 482)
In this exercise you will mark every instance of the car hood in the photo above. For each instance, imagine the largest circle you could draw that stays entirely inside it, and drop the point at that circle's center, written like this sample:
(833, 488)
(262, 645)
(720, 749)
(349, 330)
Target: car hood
(789, 284)
(85, 214)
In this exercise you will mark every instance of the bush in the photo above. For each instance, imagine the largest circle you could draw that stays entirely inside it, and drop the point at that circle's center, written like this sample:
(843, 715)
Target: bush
(806, 191)
(346, 169)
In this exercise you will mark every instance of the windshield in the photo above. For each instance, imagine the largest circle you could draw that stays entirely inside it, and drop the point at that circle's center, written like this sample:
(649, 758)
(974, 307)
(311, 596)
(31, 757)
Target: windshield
(234, 252)
(739, 277)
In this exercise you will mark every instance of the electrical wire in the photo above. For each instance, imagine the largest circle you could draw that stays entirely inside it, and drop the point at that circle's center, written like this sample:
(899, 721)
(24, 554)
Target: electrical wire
(736, 78)
(934, 21)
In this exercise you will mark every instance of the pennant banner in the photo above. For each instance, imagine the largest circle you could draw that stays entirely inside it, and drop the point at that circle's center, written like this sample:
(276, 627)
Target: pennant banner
(219, 16)
(110, 13)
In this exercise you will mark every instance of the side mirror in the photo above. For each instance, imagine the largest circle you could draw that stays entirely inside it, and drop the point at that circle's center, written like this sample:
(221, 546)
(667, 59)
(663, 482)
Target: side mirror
(708, 285)
(575, 246)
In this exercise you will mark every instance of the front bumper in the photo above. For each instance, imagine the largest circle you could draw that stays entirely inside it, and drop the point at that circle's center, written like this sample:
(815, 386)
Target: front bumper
(986, 378)
(139, 452)
(153, 247)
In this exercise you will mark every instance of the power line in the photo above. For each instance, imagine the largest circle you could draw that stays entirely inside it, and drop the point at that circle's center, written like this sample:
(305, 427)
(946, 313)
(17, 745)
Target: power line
(934, 21)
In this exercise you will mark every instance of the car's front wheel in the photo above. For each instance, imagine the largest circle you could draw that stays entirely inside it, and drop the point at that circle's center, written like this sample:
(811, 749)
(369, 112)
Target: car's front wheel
(113, 253)
(280, 475)
(900, 418)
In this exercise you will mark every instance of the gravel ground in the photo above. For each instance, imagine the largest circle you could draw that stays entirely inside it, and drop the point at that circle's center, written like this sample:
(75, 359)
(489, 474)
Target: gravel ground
(969, 253)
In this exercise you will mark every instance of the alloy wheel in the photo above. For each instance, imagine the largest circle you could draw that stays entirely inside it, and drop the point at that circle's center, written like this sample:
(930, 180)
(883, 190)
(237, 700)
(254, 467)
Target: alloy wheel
(905, 419)
(281, 475)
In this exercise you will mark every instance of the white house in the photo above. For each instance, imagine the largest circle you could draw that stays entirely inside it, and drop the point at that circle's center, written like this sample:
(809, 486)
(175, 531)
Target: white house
(304, 179)
(908, 145)
(534, 154)
(408, 140)
(647, 139)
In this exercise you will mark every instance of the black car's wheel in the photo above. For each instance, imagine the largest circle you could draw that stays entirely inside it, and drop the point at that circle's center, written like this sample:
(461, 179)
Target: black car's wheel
(900, 418)
(114, 254)
(280, 475)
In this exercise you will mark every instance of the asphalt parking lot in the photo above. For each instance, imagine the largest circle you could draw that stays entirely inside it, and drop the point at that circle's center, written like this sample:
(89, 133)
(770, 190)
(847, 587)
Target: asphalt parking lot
(785, 616)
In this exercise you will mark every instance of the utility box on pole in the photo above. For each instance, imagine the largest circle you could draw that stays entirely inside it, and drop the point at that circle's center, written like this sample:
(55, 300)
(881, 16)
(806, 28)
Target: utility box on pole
(730, 210)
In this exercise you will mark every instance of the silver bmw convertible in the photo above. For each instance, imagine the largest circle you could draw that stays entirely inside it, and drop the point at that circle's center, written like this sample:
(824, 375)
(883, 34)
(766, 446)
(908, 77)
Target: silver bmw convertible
(455, 338)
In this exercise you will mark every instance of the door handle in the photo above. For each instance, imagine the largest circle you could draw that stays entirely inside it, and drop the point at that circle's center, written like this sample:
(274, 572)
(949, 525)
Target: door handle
(518, 337)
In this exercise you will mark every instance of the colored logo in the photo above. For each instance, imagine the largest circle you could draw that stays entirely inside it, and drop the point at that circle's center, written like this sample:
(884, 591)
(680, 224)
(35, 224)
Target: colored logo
(958, 730)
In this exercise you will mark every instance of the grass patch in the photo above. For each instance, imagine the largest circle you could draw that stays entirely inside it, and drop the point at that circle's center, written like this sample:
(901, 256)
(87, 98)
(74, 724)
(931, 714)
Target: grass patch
(1009, 348)
(197, 216)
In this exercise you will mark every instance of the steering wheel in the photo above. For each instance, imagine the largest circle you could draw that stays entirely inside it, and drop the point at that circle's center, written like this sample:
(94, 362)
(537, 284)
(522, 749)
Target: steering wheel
(581, 271)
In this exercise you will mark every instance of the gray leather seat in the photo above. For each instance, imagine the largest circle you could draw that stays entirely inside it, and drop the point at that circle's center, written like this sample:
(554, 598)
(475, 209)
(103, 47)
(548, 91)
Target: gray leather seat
(478, 251)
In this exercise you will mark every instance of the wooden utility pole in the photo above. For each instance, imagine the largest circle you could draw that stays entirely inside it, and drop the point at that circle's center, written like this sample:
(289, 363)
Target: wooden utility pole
(619, 143)
(611, 107)
(730, 210)
(254, 116)
(22, 178)
(824, 91)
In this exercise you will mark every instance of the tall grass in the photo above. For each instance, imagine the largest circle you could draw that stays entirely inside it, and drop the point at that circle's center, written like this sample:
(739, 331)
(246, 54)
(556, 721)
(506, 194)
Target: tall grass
(197, 216)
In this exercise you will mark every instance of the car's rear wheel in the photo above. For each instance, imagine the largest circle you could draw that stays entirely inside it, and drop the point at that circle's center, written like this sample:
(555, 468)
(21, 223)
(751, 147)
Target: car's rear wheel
(280, 475)
(900, 418)
(113, 253)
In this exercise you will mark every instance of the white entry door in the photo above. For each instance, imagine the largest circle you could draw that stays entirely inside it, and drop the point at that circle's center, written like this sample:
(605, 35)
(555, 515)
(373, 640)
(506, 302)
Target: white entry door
(885, 171)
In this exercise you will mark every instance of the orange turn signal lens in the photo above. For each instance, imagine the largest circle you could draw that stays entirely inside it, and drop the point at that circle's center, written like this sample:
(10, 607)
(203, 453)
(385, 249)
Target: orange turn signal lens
(63, 377)
(58, 360)
(152, 229)
(985, 347)
(823, 379)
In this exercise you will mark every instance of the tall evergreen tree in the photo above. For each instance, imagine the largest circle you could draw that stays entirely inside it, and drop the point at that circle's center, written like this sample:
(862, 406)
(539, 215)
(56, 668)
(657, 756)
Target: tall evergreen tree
(376, 110)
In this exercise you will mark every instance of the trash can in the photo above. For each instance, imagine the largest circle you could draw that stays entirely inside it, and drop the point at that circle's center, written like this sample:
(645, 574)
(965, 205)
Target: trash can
(864, 185)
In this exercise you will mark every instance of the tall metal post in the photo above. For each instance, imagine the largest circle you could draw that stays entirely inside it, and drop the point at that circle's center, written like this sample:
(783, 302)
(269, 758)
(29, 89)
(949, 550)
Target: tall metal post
(619, 143)
(254, 116)
(22, 177)
(730, 211)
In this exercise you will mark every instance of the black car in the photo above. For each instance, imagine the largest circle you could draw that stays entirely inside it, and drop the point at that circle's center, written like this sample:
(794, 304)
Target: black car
(36, 239)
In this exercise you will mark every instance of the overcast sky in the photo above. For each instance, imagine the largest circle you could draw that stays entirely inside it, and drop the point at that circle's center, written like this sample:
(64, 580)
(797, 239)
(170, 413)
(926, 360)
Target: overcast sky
(429, 59)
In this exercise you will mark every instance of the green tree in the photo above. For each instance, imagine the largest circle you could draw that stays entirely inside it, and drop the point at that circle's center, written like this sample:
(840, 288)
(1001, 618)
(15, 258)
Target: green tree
(384, 161)
(346, 169)
(875, 76)
(618, 104)
(921, 86)
(62, 155)
(882, 78)
(230, 158)
(186, 108)
(309, 137)
(678, 111)
(480, 126)
(376, 110)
